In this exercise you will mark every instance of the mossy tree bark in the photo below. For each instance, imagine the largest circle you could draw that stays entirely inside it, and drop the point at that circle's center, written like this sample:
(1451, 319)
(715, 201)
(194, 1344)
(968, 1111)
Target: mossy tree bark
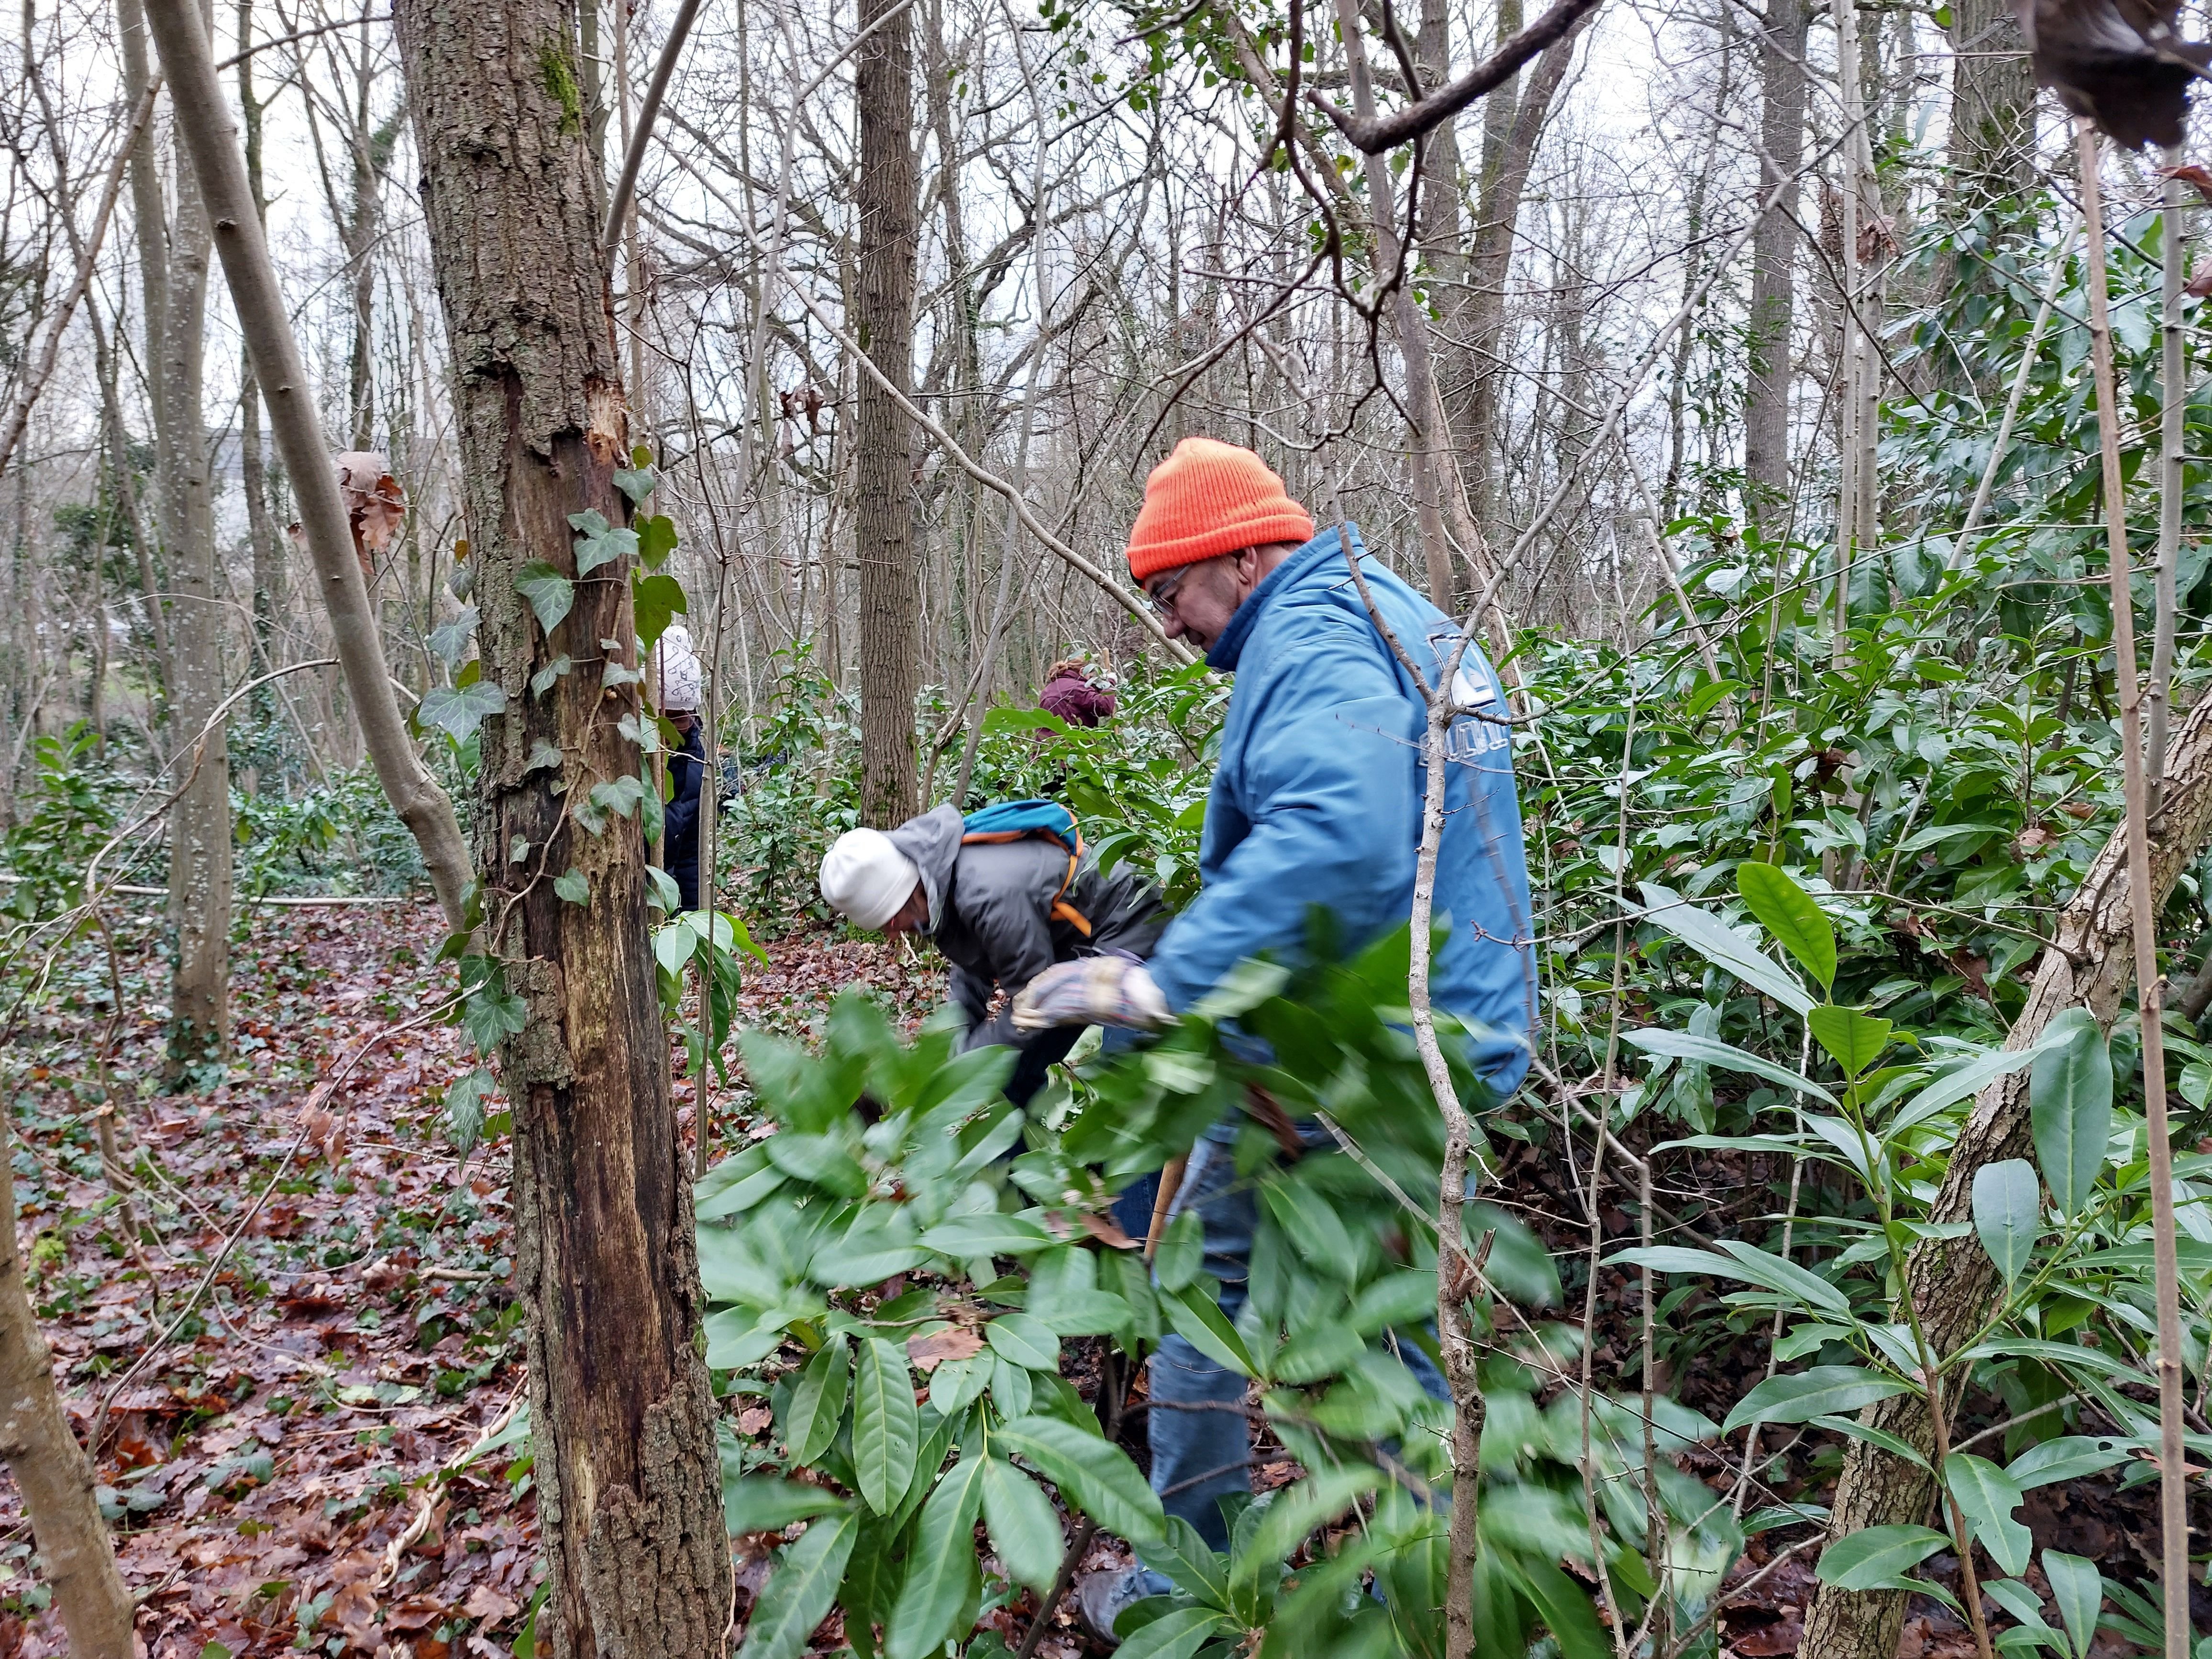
(622, 1415)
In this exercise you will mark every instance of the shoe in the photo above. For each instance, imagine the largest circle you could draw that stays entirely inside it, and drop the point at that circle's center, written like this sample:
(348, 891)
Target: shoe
(1102, 1597)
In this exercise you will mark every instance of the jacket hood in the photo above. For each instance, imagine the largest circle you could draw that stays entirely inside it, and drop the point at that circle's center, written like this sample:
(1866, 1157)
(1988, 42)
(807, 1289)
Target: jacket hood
(933, 842)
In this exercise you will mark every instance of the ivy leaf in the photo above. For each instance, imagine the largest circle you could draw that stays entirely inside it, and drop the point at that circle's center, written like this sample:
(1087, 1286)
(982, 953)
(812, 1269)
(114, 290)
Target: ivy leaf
(656, 600)
(645, 733)
(491, 1012)
(622, 797)
(600, 543)
(636, 481)
(656, 539)
(571, 885)
(449, 641)
(551, 594)
(458, 711)
(541, 681)
(465, 1112)
(518, 849)
(543, 755)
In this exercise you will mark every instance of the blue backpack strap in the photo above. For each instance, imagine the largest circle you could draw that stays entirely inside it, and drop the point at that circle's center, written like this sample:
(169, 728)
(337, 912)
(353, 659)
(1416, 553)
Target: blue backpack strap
(1034, 819)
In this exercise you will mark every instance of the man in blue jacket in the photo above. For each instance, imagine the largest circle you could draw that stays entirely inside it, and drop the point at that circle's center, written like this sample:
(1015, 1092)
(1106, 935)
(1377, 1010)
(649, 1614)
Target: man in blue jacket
(1318, 799)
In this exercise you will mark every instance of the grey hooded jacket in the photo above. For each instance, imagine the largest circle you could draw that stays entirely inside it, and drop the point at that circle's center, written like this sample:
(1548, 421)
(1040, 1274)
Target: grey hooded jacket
(990, 908)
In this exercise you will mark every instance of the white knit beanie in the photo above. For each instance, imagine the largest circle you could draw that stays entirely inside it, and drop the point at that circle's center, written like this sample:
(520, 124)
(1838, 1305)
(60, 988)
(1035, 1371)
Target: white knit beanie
(672, 677)
(865, 877)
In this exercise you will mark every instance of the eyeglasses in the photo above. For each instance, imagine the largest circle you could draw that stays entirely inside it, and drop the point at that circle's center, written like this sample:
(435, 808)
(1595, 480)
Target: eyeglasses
(1162, 598)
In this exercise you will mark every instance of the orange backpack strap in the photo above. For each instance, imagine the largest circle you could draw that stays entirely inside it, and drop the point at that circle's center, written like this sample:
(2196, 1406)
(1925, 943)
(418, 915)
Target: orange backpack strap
(1060, 907)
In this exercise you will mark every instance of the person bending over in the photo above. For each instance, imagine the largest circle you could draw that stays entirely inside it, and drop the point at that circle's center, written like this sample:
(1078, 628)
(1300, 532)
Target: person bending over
(1002, 911)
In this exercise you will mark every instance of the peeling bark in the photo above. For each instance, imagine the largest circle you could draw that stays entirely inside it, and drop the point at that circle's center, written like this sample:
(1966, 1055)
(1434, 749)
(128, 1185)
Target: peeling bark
(621, 1413)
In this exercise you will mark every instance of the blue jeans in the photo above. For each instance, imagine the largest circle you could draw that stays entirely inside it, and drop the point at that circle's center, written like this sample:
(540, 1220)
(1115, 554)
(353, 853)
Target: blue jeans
(1202, 1438)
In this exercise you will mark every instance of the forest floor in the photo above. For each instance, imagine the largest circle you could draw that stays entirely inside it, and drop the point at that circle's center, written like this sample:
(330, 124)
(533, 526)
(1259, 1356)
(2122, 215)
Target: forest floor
(297, 1375)
(304, 1375)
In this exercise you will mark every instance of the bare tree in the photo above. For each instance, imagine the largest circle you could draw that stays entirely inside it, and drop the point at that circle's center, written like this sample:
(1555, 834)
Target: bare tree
(882, 495)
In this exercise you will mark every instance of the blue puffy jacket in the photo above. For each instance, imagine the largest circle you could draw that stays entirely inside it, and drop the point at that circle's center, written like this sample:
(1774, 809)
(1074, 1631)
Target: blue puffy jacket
(1318, 800)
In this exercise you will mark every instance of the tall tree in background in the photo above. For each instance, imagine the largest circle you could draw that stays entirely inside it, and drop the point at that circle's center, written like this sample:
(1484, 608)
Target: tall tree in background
(199, 821)
(621, 1414)
(1992, 106)
(1774, 258)
(1508, 148)
(884, 493)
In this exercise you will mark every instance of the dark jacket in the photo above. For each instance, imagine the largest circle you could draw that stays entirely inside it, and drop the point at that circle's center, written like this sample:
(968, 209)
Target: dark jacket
(990, 913)
(679, 821)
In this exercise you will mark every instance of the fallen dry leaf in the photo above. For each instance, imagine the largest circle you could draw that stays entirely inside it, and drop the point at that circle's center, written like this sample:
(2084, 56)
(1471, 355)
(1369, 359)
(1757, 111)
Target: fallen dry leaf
(928, 1352)
(485, 1602)
(375, 507)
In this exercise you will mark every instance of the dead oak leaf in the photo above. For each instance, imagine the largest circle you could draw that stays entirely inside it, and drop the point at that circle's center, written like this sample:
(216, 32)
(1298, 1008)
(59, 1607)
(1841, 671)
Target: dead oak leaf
(928, 1353)
(2192, 174)
(487, 1601)
(418, 1613)
(375, 506)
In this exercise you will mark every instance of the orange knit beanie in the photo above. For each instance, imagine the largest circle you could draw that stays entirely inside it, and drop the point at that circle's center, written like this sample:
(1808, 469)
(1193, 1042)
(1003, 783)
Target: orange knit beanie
(1206, 499)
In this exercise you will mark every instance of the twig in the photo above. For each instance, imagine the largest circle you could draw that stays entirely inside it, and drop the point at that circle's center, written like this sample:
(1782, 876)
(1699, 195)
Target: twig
(1386, 132)
(2173, 1493)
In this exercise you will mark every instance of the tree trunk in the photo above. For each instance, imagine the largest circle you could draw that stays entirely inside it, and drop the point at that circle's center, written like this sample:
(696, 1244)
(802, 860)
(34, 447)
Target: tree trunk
(1992, 108)
(51, 1469)
(1774, 260)
(1409, 323)
(202, 125)
(199, 823)
(1952, 1279)
(629, 1503)
(269, 582)
(883, 491)
(1490, 264)
(153, 256)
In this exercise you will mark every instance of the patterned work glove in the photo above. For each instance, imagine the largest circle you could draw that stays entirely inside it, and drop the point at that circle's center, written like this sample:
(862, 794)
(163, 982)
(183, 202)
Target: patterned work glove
(1093, 991)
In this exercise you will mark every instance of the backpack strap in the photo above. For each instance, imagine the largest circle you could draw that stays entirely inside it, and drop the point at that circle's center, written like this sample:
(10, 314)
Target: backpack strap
(1060, 909)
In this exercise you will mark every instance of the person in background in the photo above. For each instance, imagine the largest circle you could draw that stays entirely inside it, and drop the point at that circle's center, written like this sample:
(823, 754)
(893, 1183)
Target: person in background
(1069, 693)
(674, 678)
(1317, 799)
(1001, 912)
